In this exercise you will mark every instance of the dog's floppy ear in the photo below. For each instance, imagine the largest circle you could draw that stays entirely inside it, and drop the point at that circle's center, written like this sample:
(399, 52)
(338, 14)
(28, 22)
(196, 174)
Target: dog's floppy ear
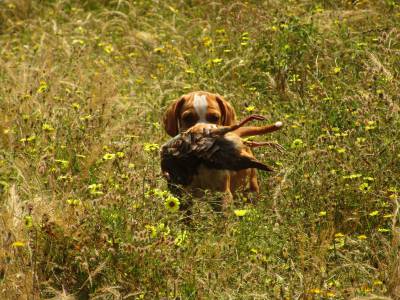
(228, 116)
(171, 116)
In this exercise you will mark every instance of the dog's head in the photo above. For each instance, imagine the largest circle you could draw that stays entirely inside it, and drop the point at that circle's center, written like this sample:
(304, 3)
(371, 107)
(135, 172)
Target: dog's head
(195, 108)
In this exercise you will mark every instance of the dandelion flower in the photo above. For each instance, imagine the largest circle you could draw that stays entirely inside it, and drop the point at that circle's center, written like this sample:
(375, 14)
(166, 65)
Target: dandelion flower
(240, 212)
(250, 108)
(151, 147)
(364, 187)
(297, 143)
(152, 229)
(120, 154)
(336, 70)
(315, 291)
(18, 244)
(43, 87)
(374, 213)
(370, 125)
(95, 189)
(341, 150)
(74, 202)
(172, 203)
(47, 127)
(64, 163)
(109, 156)
(207, 41)
(181, 239)
(108, 48)
(377, 282)
(28, 221)
(159, 50)
(217, 60)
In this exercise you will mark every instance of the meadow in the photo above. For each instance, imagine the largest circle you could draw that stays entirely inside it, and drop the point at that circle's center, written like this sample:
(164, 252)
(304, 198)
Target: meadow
(83, 207)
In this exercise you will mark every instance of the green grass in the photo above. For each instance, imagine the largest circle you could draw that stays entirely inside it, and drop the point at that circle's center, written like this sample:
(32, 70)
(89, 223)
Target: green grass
(83, 85)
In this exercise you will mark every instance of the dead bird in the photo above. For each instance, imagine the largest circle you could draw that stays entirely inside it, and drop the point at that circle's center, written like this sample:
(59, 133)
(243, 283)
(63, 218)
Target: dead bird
(212, 147)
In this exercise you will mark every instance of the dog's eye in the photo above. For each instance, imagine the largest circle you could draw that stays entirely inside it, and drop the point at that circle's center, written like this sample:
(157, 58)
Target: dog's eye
(188, 118)
(213, 118)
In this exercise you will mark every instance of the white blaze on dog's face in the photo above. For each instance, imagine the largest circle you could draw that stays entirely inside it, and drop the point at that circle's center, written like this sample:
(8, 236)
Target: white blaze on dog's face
(197, 107)
(200, 106)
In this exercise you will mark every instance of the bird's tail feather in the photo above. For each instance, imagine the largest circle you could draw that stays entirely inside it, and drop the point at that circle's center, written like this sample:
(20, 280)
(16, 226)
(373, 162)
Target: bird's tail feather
(259, 165)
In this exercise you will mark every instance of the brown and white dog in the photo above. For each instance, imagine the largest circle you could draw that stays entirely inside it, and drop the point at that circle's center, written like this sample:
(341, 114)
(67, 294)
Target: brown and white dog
(207, 108)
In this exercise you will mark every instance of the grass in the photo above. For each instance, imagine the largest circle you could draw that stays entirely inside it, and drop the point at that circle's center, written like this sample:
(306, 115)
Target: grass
(83, 88)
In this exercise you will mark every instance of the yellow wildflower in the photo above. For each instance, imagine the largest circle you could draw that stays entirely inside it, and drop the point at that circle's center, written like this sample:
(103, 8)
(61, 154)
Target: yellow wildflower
(315, 291)
(240, 212)
(336, 70)
(150, 147)
(364, 187)
(341, 150)
(28, 221)
(108, 48)
(181, 239)
(18, 244)
(370, 125)
(374, 213)
(108, 156)
(74, 202)
(120, 154)
(172, 203)
(216, 61)
(207, 41)
(43, 87)
(297, 143)
(250, 108)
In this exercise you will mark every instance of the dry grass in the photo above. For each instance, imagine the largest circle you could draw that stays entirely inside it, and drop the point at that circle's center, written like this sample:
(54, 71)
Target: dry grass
(83, 87)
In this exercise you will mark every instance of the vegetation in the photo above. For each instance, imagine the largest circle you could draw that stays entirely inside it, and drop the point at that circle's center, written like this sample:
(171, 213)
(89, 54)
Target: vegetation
(84, 210)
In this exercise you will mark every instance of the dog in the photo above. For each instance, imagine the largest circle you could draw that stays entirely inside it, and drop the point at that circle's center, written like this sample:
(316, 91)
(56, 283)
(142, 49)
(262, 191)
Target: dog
(214, 111)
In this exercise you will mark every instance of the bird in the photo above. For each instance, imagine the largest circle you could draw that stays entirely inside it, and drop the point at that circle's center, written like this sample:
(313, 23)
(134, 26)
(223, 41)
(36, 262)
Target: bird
(215, 147)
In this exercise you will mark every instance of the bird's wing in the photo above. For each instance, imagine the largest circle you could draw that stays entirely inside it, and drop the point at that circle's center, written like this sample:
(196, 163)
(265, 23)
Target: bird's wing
(229, 155)
(178, 163)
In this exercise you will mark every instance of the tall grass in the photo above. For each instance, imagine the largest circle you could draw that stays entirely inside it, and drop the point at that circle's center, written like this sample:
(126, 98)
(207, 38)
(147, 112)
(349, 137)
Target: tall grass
(83, 88)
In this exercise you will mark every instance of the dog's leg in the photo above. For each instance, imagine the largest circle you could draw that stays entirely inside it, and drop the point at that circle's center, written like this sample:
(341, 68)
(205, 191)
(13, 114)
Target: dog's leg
(227, 198)
(254, 187)
(224, 195)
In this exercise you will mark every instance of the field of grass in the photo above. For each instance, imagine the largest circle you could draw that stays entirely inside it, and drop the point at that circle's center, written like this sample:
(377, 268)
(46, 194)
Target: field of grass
(83, 85)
